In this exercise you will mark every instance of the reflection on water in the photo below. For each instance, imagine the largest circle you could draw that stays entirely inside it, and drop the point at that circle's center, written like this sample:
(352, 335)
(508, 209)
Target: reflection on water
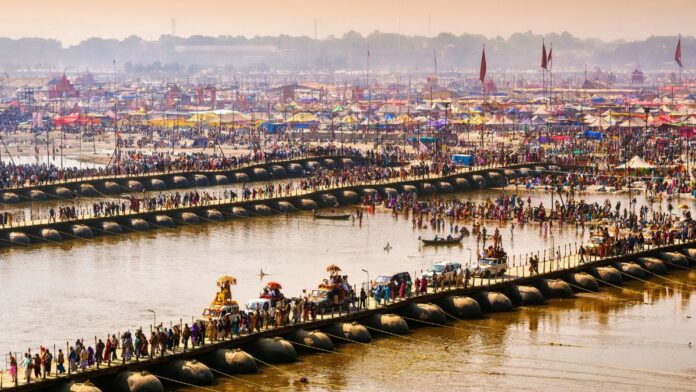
(586, 343)
(54, 293)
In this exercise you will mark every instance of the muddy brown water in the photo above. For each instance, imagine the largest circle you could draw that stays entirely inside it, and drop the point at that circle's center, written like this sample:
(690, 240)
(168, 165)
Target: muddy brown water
(54, 293)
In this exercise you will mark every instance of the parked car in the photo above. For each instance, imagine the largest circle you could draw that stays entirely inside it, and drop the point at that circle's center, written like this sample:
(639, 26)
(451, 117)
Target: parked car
(384, 279)
(488, 267)
(216, 311)
(592, 247)
(257, 303)
(442, 268)
(324, 301)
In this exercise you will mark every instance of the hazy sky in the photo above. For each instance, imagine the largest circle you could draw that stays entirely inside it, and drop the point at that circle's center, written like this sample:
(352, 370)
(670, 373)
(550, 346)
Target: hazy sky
(74, 20)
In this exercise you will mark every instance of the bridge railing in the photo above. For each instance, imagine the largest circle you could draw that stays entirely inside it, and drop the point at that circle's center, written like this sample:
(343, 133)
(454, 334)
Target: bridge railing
(560, 258)
(27, 184)
(85, 211)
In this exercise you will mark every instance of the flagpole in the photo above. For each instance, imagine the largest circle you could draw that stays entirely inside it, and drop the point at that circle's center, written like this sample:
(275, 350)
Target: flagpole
(551, 73)
(543, 72)
(543, 85)
(680, 66)
(483, 89)
(369, 96)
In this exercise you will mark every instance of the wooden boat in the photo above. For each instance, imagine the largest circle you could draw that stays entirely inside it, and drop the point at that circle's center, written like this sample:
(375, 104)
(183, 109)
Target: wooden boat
(332, 216)
(443, 241)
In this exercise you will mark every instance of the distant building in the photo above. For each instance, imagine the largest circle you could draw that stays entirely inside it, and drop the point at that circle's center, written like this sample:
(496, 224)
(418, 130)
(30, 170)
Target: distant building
(489, 87)
(431, 83)
(594, 85)
(62, 88)
(175, 97)
(206, 95)
(292, 92)
(85, 80)
(637, 77)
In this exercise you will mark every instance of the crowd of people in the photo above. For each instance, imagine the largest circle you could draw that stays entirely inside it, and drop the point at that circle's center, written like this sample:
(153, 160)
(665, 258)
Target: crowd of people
(318, 179)
(139, 163)
(622, 230)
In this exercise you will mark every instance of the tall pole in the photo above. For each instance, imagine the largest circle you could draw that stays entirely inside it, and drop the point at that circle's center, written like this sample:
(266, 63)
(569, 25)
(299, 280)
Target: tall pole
(551, 74)
(483, 109)
(543, 86)
(680, 66)
(369, 96)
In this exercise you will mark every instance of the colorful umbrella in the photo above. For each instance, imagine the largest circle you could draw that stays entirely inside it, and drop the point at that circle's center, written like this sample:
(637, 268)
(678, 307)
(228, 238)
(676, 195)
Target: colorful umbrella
(274, 285)
(333, 269)
(227, 279)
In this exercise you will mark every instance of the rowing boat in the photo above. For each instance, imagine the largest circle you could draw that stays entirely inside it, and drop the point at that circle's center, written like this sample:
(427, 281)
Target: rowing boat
(443, 241)
(332, 216)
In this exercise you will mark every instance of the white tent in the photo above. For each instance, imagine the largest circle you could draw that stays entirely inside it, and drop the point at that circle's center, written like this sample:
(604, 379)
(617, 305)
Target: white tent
(636, 163)
(538, 120)
(633, 122)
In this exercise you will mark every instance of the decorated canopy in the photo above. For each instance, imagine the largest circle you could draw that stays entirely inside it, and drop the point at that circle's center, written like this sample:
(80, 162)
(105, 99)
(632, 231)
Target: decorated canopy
(636, 163)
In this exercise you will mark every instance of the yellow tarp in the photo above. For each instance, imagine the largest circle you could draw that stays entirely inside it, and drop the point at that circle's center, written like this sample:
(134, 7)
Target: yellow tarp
(303, 118)
(170, 122)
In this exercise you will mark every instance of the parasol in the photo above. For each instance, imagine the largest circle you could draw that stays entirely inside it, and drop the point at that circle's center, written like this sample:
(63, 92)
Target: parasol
(274, 285)
(227, 279)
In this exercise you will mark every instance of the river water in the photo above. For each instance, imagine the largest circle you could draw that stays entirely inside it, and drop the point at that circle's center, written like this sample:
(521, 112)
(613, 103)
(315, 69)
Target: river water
(580, 344)
(55, 293)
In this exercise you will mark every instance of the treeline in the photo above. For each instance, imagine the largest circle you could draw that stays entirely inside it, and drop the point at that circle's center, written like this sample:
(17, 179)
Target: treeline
(520, 51)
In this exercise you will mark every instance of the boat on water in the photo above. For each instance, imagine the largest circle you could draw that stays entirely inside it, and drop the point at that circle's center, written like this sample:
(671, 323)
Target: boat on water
(443, 241)
(332, 216)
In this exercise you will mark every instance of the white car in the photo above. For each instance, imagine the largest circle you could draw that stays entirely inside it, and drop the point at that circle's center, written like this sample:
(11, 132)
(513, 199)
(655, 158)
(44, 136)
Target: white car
(489, 267)
(441, 268)
(258, 303)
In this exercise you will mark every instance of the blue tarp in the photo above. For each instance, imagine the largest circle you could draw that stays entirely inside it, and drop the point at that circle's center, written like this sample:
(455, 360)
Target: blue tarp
(200, 142)
(463, 160)
(423, 139)
(593, 135)
(273, 127)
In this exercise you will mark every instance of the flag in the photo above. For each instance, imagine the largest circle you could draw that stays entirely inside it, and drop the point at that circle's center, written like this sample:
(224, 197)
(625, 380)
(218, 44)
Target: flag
(677, 54)
(482, 73)
(544, 59)
(37, 120)
(423, 148)
(548, 58)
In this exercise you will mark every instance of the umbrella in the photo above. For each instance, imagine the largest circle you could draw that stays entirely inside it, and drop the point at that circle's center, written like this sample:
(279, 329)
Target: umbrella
(227, 279)
(333, 268)
(274, 285)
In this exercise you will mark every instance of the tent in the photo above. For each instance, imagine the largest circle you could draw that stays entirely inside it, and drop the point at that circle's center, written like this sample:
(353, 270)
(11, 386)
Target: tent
(636, 163)
(348, 119)
(633, 122)
(303, 118)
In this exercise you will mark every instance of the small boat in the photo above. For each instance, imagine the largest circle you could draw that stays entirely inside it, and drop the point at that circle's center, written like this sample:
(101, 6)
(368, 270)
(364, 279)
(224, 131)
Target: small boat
(332, 216)
(443, 241)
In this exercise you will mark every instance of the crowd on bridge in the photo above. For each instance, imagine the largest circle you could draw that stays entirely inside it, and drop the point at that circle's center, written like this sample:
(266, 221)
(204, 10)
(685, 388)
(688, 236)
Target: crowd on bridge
(316, 180)
(139, 163)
